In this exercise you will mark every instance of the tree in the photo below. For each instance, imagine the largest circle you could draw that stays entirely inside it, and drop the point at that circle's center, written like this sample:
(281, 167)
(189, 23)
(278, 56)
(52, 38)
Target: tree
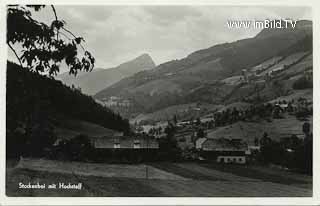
(256, 141)
(198, 121)
(279, 88)
(39, 129)
(200, 133)
(306, 128)
(44, 46)
(295, 142)
(79, 148)
(235, 114)
(265, 140)
(168, 148)
(175, 119)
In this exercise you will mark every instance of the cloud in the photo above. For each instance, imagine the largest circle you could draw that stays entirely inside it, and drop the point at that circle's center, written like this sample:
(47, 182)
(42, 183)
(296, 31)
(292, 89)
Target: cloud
(115, 34)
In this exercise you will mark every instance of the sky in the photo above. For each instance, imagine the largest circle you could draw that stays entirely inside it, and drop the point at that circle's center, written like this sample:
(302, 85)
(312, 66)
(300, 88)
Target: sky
(116, 34)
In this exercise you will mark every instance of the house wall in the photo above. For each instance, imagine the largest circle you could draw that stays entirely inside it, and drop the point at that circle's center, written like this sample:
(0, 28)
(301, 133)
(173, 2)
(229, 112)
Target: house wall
(125, 155)
(238, 157)
(105, 143)
(231, 159)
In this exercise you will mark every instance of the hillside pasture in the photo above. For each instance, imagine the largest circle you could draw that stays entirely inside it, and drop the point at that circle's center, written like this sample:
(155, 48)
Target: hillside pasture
(299, 67)
(265, 64)
(295, 95)
(287, 61)
(233, 80)
(183, 111)
(248, 131)
(68, 128)
(237, 105)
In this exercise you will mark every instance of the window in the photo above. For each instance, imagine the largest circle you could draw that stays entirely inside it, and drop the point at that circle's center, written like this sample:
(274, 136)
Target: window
(136, 144)
(116, 145)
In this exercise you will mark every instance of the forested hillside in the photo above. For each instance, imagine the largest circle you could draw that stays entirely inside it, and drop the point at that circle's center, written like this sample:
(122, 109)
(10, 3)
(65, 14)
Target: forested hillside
(35, 104)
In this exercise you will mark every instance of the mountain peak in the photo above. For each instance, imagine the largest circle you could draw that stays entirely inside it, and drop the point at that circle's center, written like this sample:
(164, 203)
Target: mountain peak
(92, 82)
(147, 59)
(140, 63)
(144, 55)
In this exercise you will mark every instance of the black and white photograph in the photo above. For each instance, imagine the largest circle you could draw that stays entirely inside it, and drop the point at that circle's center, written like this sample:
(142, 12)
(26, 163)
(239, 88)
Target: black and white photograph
(159, 101)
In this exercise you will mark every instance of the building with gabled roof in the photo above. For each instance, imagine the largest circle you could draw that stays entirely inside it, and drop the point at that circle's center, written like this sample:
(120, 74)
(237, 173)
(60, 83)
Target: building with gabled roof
(124, 142)
(222, 150)
(125, 148)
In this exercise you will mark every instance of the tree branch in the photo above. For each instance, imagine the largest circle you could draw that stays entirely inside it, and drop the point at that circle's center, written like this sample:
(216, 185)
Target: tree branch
(65, 36)
(55, 15)
(14, 51)
(69, 32)
(73, 36)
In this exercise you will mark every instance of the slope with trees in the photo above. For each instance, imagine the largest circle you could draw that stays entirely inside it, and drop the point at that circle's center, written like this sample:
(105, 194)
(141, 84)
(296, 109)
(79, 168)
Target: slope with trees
(34, 99)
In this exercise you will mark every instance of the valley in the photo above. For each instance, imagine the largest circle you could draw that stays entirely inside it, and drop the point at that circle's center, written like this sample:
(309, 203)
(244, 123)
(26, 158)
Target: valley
(234, 119)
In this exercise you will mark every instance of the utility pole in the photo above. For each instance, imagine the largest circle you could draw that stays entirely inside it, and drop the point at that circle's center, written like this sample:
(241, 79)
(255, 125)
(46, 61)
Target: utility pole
(147, 175)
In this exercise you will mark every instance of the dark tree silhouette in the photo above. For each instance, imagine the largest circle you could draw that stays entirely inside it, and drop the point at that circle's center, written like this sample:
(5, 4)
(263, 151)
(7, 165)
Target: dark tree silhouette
(44, 46)
(34, 105)
(200, 133)
(306, 128)
(175, 119)
(256, 141)
(168, 145)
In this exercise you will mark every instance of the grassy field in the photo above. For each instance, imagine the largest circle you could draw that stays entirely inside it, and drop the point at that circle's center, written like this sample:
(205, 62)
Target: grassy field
(97, 169)
(93, 186)
(184, 172)
(183, 111)
(249, 130)
(304, 93)
(68, 128)
(191, 180)
(287, 61)
(264, 174)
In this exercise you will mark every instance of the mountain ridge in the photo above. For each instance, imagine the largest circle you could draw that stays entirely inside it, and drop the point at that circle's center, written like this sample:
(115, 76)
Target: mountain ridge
(94, 81)
(202, 70)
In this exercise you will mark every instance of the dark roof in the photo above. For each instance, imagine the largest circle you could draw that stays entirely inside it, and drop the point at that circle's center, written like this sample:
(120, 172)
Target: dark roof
(125, 142)
(223, 144)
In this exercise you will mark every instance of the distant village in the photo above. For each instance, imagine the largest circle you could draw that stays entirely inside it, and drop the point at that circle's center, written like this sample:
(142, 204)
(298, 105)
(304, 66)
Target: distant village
(190, 139)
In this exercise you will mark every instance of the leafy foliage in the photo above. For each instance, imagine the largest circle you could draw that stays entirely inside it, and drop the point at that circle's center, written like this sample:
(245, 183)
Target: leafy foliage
(293, 153)
(44, 46)
(76, 149)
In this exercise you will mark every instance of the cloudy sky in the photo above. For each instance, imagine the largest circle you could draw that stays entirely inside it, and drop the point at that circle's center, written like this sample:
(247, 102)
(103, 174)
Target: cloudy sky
(115, 34)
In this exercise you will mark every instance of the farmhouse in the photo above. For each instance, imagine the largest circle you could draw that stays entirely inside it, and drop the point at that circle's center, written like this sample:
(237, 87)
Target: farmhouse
(125, 148)
(222, 150)
(124, 142)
